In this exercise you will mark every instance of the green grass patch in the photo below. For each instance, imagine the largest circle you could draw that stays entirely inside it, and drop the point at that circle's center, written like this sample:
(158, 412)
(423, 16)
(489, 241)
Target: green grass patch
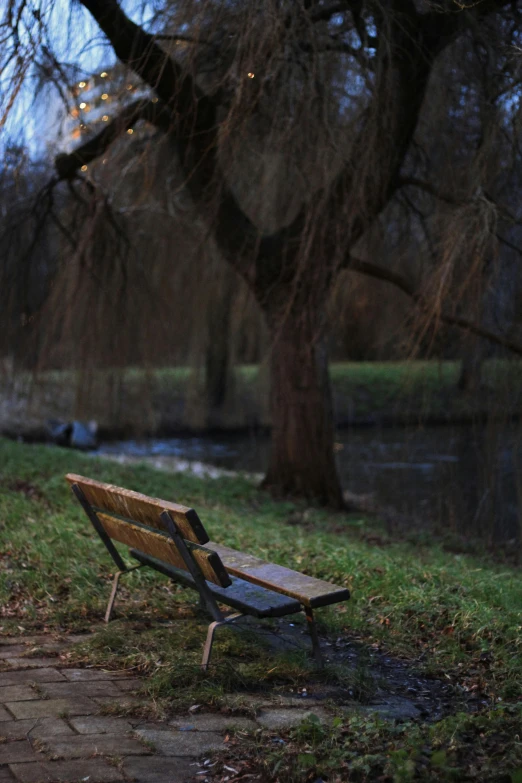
(454, 617)
(364, 748)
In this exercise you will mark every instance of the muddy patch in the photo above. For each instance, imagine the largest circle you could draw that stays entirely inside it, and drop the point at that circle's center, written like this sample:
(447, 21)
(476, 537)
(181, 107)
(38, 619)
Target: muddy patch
(373, 681)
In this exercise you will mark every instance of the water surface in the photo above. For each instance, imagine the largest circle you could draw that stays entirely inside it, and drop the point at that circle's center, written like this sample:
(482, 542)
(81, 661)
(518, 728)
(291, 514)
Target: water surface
(466, 479)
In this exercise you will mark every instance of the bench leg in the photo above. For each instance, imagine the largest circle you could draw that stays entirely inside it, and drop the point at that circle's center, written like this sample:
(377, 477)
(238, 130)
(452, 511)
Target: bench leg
(210, 637)
(316, 647)
(114, 590)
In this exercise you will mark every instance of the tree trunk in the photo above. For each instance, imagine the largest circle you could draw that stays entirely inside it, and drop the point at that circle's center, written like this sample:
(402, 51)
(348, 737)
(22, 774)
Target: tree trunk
(302, 461)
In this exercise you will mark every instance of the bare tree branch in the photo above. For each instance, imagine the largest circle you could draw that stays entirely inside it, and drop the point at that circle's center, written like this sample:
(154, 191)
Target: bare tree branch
(415, 40)
(158, 114)
(410, 62)
(360, 54)
(138, 49)
(177, 37)
(402, 283)
(441, 27)
(429, 188)
(195, 128)
(412, 48)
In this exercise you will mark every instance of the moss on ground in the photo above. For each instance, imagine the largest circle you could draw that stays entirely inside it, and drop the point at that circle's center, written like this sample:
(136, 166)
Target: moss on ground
(454, 617)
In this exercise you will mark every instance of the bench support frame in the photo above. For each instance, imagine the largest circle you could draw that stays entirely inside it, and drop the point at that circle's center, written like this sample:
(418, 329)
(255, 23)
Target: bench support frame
(115, 583)
(120, 565)
(212, 628)
(312, 627)
(206, 597)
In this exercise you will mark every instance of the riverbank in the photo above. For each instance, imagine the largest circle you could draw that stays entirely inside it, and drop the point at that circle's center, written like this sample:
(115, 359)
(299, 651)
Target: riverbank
(452, 619)
(171, 401)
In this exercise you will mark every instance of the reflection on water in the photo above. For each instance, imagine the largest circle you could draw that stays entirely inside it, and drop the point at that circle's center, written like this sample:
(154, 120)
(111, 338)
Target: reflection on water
(467, 479)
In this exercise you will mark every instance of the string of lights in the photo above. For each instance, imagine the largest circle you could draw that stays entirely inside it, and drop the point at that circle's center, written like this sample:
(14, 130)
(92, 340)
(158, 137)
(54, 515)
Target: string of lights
(99, 97)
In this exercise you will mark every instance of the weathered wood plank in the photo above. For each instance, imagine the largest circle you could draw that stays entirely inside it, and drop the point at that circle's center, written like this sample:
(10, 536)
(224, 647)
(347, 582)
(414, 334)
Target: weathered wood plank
(307, 590)
(140, 508)
(163, 548)
(214, 562)
(244, 596)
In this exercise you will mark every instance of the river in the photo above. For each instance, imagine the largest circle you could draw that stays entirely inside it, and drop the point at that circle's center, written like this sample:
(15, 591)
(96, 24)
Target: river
(463, 479)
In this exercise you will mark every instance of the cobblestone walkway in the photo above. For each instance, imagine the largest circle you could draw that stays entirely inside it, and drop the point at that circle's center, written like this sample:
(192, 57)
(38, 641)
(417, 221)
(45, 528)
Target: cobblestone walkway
(53, 730)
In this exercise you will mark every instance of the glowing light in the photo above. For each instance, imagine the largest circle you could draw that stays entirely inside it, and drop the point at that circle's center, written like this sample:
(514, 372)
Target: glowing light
(84, 167)
(154, 100)
(250, 75)
(104, 160)
(105, 117)
(130, 131)
(104, 96)
(103, 74)
(81, 84)
(83, 105)
(129, 86)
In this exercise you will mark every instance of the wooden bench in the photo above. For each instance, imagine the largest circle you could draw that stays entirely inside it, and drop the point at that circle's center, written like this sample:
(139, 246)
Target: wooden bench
(171, 539)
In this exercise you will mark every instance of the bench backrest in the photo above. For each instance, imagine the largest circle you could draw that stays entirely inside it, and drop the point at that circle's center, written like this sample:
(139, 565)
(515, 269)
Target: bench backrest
(136, 520)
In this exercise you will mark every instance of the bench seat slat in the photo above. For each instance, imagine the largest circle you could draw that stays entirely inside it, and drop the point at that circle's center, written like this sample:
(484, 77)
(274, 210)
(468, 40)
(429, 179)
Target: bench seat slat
(164, 548)
(141, 508)
(307, 590)
(244, 596)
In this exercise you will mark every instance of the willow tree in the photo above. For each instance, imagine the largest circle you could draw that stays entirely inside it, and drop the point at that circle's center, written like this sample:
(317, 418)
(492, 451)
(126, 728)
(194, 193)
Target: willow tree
(340, 105)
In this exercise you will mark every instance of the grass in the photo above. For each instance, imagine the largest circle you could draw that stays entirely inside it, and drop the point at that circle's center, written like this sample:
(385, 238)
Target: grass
(355, 747)
(454, 617)
(170, 399)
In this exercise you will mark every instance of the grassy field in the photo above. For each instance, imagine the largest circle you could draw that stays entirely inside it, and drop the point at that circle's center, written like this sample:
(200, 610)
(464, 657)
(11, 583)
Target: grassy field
(172, 399)
(450, 617)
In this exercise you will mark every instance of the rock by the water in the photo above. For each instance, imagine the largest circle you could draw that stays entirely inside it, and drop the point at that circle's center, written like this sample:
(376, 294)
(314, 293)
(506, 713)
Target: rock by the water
(83, 436)
(59, 432)
(75, 434)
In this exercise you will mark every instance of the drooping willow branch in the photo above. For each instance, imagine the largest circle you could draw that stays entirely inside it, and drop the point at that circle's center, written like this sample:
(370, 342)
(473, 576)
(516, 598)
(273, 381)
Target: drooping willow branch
(68, 165)
(402, 283)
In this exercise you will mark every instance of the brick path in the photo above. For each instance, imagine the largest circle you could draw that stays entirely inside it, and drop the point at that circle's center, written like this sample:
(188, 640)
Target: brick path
(51, 729)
